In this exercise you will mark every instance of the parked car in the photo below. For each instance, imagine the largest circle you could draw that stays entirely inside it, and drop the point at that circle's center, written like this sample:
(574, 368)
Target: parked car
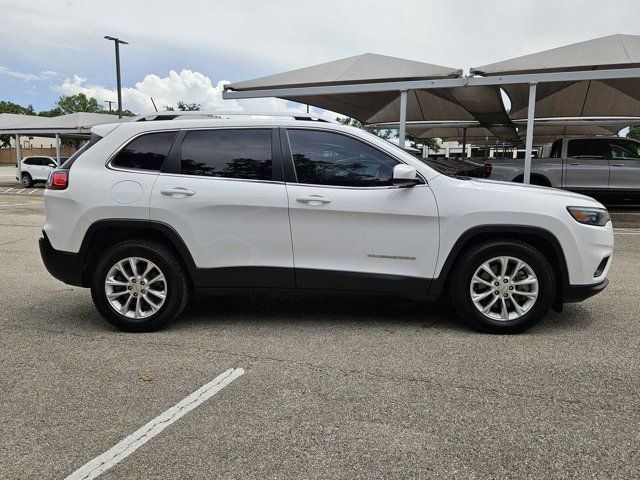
(148, 212)
(606, 167)
(456, 166)
(35, 169)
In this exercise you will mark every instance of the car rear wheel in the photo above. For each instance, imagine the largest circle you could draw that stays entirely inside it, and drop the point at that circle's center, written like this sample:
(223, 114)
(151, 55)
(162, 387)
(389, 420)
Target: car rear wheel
(139, 286)
(27, 181)
(503, 286)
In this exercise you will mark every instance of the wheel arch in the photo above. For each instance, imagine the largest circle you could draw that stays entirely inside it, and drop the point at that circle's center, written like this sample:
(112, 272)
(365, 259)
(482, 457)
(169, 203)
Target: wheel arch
(105, 233)
(536, 179)
(540, 238)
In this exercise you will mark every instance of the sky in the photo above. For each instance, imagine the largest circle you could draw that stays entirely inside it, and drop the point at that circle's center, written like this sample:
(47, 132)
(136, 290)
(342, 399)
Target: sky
(188, 50)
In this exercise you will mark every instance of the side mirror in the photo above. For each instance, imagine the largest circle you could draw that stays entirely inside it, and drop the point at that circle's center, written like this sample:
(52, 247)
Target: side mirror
(405, 176)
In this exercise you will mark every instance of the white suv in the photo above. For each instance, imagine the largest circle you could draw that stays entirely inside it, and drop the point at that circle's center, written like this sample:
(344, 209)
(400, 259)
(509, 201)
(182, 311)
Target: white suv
(35, 169)
(149, 211)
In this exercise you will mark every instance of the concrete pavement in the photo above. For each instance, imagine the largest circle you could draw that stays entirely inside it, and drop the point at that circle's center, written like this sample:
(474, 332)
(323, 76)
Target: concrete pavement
(336, 386)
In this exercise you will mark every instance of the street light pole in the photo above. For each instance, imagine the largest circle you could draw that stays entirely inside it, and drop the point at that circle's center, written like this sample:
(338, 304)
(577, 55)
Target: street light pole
(117, 43)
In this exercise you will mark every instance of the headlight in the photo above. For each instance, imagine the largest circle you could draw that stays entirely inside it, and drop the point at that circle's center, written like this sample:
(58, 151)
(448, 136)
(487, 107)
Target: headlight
(590, 216)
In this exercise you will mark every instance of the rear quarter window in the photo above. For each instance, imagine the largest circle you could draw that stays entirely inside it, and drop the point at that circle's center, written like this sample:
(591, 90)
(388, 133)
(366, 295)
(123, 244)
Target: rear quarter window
(146, 152)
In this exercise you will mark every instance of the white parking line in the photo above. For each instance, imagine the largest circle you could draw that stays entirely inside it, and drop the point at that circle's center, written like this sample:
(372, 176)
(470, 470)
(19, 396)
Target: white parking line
(626, 231)
(34, 191)
(20, 191)
(141, 436)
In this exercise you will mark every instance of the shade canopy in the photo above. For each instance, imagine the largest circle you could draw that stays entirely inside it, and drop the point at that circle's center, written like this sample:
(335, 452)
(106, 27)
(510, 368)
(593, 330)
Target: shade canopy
(591, 98)
(72, 124)
(453, 134)
(365, 68)
(459, 103)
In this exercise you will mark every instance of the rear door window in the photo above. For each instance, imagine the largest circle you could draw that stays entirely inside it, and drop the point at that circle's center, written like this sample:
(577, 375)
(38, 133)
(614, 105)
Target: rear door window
(146, 152)
(228, 153)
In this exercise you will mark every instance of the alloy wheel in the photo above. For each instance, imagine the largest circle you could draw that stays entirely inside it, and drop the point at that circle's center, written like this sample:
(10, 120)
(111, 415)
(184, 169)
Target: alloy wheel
(135, 287)
(504, 288)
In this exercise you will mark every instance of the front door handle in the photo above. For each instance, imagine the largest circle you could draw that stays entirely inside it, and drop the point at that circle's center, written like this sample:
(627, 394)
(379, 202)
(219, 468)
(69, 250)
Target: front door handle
(313, 199)
(575, 163)
(177, 192)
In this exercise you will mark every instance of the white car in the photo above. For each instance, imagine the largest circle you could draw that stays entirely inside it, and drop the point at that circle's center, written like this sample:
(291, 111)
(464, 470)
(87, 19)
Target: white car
(35, 169)
(150, 211)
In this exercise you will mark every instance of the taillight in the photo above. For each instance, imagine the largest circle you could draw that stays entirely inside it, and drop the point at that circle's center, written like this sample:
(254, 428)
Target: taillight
(487, 170)
(58, 180)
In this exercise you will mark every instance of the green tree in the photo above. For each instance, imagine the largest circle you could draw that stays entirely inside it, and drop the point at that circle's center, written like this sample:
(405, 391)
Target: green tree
(352, 122)
(10, 107)
(79, 103)
(430, 143)
(634, 132)
(189, 107)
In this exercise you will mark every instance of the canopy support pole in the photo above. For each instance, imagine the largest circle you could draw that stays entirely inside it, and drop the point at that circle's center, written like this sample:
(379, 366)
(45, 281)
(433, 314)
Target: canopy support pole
(464, 143)
(19, 156)
(403, 118)
(58, 149)
(529, 143)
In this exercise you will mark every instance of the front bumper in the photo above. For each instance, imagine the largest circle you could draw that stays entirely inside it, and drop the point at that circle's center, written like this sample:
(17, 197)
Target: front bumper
(65, 266)
(578, 293)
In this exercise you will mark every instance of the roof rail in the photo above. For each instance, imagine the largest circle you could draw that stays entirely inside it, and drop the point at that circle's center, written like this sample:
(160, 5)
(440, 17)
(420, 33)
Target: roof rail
(173, 115)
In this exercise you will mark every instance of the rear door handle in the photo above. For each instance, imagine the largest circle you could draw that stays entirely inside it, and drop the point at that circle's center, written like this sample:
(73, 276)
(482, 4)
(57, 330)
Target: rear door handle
(177, 192)
(575, 163)
(617, 165)
(313, 199)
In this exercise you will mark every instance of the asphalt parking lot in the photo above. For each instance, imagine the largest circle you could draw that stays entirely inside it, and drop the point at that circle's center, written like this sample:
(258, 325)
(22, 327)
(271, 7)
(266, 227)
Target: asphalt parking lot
(333, 386)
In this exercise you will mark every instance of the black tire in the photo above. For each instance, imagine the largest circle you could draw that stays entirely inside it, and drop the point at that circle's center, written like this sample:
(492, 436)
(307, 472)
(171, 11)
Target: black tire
(472, 259)
(27, 181)
(176, 285)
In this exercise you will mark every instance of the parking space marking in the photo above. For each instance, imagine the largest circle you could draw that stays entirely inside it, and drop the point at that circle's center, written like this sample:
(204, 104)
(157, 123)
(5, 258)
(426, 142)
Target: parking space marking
(126, 447)
(626, 231)
(32, 192)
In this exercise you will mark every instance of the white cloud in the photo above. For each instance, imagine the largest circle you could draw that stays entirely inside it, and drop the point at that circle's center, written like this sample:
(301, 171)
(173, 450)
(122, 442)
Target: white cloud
(28, 77)
(187, 86)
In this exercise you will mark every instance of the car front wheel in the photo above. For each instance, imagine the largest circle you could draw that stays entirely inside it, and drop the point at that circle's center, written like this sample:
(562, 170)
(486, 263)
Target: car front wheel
(139, 286)
(503, 286)
(27, 181)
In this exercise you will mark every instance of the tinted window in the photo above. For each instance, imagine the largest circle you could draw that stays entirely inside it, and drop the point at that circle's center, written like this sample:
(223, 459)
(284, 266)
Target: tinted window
(624, 149)
(556, 149)
(242, 153)
(325, 158)
(32, 161)
(586, 148)
(147, 152)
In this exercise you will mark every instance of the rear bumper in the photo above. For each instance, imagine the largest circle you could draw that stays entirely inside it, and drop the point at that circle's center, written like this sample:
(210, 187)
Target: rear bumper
(578, 293)
(65, 266)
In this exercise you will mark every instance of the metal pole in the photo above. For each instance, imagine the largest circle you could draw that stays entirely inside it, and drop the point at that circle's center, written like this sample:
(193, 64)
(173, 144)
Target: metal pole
(403, 118)
(58, 149)
(529, 143)
(118, 83)
(486, 147)
(117, 42)
(19, 156)
(464, 143)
